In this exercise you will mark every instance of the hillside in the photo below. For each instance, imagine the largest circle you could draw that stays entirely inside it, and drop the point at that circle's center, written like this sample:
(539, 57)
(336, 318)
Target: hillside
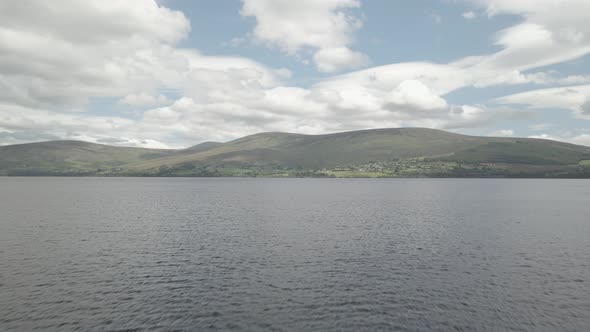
(70, 157)
(377, 152)
(323, 151)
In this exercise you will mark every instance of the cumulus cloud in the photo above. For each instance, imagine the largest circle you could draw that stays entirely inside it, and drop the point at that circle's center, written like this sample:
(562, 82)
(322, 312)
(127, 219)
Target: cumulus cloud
(416, 95)
(54, 58)
(324, 27)
(332, 59)
(221, 97)
(43, 94)
(117, 48)
(52, 54)
(551, 32)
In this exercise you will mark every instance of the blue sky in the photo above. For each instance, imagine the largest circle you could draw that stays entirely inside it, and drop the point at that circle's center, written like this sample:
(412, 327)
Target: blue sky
(175, 73)
(422, 37)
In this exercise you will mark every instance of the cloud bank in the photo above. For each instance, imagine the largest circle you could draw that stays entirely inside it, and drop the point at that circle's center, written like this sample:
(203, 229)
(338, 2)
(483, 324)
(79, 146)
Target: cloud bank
(55, 59)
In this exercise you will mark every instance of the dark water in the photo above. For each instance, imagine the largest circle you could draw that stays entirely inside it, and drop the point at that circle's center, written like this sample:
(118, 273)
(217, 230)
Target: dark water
(294, 254)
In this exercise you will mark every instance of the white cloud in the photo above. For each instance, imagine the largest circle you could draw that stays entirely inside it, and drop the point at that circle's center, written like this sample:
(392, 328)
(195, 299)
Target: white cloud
(574, 79)
(118, 48)
(222, 98)
(574, 98)
(325, 27)
(67, 52)
(439, 78)
(414, 94)
(333, 59)
(470, 15)
(502, 133)
(524, 35)
(95, 21)
(144, 99)
(553, 31)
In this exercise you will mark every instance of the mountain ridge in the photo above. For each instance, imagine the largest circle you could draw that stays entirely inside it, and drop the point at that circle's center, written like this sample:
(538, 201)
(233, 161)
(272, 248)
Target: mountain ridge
(388, 152)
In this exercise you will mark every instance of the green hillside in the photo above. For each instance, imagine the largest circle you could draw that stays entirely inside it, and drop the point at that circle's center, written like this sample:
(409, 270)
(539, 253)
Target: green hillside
(523, 151)
(69, 157)
(322, 151)
(374, 153)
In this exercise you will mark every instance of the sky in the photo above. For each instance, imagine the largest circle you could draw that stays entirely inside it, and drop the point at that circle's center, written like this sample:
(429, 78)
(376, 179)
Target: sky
(175, 73)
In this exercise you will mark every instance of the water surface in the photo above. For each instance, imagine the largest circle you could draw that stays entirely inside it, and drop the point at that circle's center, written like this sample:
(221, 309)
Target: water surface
(294, 254)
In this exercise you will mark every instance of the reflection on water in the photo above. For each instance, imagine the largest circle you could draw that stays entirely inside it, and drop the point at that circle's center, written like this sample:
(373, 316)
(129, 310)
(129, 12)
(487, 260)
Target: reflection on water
(294, 254)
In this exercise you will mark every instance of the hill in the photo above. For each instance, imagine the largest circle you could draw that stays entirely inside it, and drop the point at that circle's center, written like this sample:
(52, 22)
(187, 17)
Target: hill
(377, 152)
(322, 151)
(70, 158)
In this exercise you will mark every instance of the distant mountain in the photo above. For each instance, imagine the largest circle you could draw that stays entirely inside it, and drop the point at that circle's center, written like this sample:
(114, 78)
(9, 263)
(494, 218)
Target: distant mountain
(70, 157)
(375, 153)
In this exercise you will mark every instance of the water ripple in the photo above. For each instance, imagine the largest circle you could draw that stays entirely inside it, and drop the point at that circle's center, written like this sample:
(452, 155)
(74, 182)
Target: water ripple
(281, 254)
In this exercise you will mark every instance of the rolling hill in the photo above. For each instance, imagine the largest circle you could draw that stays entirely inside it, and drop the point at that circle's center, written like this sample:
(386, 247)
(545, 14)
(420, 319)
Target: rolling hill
(377, 152)
(69, 157)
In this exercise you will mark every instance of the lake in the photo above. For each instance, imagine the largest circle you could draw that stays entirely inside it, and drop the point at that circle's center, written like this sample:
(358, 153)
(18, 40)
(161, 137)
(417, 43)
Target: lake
(294, 254)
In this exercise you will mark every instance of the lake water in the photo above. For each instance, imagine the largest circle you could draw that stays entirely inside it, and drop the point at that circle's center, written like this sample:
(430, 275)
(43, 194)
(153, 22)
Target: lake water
(294, 254)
